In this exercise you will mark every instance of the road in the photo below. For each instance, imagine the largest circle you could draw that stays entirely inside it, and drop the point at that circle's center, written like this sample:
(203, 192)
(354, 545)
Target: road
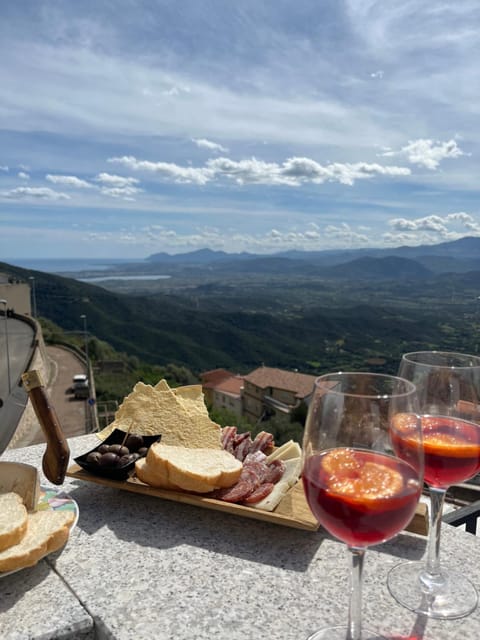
(71, 413)
(18, 336)
(16, 344)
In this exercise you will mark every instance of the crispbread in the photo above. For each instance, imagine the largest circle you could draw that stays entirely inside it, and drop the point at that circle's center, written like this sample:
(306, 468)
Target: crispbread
(13, 521)
(47, 531)
(179, 415)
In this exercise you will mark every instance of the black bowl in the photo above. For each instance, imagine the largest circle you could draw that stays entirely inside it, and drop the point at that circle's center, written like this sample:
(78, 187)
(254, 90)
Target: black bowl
(113, 472)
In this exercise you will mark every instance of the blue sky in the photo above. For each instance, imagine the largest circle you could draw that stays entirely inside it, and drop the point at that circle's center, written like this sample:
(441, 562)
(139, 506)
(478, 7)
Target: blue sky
(129, 127)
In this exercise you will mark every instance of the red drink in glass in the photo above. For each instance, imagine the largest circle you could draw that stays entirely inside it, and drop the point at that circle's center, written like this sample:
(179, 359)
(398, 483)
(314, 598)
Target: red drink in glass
(361, 497)
(452, 450)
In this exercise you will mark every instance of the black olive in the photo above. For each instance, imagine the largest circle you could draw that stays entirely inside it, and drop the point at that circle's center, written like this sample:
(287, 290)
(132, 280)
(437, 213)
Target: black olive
(103, 448)
(108, 459)
(119, 449)
(94, 457)
(125, 459)
(134, 442)
(142, 451)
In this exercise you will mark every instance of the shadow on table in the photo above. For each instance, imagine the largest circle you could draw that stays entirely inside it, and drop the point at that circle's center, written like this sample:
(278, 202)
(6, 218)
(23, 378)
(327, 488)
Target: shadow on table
(156, 523)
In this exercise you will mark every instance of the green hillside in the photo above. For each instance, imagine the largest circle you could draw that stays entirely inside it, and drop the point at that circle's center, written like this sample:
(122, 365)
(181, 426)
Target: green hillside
(304, 324)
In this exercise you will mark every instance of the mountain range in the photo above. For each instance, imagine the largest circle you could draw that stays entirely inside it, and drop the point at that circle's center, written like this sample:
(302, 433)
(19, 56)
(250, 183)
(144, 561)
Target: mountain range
(458, 256)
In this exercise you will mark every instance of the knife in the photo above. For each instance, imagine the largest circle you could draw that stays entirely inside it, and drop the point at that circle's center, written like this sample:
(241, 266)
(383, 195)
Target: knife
(57, 454)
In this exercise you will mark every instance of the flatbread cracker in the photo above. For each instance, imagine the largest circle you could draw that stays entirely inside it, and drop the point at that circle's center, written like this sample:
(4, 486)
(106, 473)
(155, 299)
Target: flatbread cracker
(179, 415)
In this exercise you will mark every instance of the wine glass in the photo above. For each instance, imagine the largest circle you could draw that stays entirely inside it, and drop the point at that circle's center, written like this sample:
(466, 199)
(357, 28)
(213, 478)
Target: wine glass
(448, 388)
(356, 485)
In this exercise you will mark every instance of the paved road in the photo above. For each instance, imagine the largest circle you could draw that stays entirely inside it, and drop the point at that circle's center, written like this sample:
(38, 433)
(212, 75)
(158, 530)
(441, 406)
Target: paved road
(19, 337)
(71, 413)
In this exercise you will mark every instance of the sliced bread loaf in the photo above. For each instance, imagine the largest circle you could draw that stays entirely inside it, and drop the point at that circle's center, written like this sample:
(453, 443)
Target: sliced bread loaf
(198, 470)
(47, 531)
(13, 521)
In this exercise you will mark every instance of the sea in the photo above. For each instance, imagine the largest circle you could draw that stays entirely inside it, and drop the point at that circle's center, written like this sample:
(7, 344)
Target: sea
(78, 266)
(65, 265)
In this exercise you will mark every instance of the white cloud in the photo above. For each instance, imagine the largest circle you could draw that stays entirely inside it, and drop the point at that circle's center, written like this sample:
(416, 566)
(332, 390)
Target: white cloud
(167, 169)
(23, 176)
(37, 193)
(427, 153)
(126, 192)
(69, 181)
(433, 228)
(4, 168)
(116, 181)
(292, 172)
(207, 144)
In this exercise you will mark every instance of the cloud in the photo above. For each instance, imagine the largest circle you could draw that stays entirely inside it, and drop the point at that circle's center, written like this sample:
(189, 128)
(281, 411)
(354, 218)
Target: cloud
(207, 144)
(432, 228)
(116, 181)
(167, 169)
(37, 193)
(292, 172)
(4, 168)
(427, 153)
(69, 181)
(23, 176)
(125, 192)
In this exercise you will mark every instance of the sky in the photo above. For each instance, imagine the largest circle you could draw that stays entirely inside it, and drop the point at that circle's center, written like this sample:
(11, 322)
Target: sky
(131, 127)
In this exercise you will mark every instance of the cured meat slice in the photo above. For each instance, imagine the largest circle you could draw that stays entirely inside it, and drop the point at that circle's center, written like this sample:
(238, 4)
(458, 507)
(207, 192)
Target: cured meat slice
(253, 475)
(260, 493)
(262, 442)
(243, 448)
(228, 438)
(276, 469)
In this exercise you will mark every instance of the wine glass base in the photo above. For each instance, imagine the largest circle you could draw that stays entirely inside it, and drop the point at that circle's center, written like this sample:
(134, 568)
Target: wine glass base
(456, 597)
(340, 633)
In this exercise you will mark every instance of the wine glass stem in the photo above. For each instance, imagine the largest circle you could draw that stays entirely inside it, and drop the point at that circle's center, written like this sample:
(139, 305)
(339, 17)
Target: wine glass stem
(354, 631)
(437, 498)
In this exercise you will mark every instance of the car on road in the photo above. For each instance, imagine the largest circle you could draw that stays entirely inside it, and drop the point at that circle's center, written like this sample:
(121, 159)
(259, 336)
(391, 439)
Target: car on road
(80, 386)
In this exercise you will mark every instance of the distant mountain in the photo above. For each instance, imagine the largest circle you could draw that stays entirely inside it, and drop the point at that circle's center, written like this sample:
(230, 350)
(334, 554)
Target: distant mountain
(455, 256)
(201, 256)
(388, 268)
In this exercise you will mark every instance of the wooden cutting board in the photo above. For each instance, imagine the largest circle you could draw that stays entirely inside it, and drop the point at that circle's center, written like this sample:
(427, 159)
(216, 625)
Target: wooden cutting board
(292, 511)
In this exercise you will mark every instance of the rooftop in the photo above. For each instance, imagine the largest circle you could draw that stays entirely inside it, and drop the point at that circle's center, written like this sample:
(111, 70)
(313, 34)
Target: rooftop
(299, 383)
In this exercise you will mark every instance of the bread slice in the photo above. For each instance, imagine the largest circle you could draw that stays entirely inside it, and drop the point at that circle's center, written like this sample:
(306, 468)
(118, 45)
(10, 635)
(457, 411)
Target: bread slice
(47, 531)
(23, 479)
(13, 519)
(198, 470)
(153, 476)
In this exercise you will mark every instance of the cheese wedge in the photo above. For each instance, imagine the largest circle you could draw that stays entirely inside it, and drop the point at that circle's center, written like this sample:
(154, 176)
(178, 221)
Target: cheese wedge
(287, 451)
(22, 479)
(293, 468)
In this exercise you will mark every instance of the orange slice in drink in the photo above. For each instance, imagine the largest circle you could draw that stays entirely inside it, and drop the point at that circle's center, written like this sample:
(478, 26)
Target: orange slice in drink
(446, 436)
(373, 483)
(341, 463)
(448, 444)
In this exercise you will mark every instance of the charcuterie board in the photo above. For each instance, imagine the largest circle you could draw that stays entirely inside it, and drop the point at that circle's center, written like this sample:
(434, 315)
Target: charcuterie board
(292, 511)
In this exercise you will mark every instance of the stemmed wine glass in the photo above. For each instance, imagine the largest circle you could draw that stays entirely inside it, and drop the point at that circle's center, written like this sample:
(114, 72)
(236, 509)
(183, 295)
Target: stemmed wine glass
(448, 388)
(356, 485)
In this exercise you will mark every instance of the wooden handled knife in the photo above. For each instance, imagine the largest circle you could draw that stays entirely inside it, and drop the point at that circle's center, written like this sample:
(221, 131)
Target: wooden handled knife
(57, 454)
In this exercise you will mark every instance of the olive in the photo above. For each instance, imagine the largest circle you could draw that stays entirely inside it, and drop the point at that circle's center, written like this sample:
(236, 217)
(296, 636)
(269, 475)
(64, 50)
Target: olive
(103, 448)
(142, 451)
(125, 459)
(119, 449)
(108, 459)
(134, 442)
(94, 457)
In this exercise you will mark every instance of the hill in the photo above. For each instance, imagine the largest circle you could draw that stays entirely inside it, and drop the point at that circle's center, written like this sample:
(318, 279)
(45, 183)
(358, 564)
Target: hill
(290, 323)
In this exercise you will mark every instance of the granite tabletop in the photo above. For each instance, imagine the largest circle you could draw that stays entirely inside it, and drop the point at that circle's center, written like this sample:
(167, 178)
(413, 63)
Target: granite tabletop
(139, 567)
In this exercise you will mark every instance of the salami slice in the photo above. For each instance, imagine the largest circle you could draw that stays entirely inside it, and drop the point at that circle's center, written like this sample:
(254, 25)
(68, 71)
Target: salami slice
(260, 493)
(276, 469)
